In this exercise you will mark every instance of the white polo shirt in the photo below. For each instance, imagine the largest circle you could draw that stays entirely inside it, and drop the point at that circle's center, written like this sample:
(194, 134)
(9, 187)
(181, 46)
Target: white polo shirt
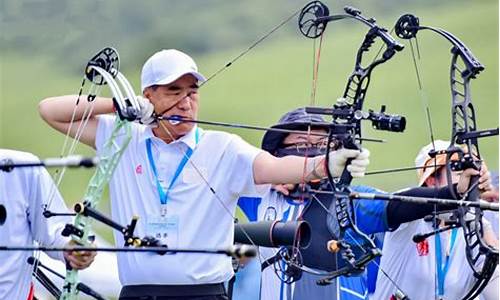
(413, 267)
(224, 160)
(23, 192)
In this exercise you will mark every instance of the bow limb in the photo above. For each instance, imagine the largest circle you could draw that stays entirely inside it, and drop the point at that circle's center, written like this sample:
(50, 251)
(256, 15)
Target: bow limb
(463, 151)
(464, 132)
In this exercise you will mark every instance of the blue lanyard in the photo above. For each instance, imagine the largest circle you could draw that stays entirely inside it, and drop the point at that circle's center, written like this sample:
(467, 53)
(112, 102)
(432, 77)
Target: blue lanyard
(443, 269)
(164, 195)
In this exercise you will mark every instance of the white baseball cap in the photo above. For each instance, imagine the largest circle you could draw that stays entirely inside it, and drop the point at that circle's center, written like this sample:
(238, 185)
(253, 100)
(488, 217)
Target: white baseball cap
(424, 160)
(166, 66)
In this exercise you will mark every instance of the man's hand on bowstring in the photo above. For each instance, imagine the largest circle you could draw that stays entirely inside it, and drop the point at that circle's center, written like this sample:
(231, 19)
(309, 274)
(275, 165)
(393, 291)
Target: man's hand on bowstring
(484, 182)
(357, 167)
(79, 259)
(146, 113)
(488, 191)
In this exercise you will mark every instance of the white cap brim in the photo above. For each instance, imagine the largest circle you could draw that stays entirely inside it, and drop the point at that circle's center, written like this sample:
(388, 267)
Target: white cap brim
(173, 77)
(430, 169)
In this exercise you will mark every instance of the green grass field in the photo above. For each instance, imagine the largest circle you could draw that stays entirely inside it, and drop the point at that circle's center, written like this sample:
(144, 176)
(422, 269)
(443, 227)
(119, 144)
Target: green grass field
(276, 77)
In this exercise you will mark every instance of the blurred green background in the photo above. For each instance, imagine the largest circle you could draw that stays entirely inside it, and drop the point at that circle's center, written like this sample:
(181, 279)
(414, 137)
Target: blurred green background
(44, 46)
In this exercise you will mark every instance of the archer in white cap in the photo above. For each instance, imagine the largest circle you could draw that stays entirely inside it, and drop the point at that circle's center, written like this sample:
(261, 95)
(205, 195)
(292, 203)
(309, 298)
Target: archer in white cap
(167, 66)
(438, 263)
(170, 81)
(428, 165)
(182, 180)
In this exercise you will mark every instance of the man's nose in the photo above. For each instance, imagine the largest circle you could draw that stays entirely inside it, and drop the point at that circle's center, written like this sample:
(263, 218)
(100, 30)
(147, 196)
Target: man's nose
(185, 101)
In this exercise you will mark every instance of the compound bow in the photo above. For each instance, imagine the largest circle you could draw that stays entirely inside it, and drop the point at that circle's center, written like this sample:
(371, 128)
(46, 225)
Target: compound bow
(102, 69)
(354, 248)
(482, 258)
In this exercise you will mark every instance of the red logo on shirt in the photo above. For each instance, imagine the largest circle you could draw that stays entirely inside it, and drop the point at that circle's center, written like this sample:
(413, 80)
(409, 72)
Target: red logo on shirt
(138, 169)
(423, 248)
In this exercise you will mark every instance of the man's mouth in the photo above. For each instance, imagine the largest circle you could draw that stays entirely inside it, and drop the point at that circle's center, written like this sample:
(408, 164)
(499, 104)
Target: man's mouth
(176, 119)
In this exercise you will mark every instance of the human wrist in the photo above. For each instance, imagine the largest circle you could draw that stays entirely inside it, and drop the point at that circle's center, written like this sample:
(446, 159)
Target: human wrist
(317, 167)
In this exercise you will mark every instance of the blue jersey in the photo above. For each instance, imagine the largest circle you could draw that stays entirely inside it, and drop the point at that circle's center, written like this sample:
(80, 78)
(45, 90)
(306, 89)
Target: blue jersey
(371, 215)
(371, 218)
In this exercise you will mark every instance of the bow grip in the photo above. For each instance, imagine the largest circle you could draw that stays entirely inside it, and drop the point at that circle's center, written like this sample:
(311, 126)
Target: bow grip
(346, 177)
(473, 194)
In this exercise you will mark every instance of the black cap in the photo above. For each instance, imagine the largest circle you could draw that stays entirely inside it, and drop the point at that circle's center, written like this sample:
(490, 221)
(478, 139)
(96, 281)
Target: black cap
(297, 119)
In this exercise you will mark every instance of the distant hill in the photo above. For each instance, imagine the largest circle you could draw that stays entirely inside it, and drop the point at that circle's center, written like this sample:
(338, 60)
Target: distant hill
(72, 29)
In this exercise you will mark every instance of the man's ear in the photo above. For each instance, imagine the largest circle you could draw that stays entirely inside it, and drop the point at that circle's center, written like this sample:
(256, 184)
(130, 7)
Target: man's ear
(430, 181)
(147, 93)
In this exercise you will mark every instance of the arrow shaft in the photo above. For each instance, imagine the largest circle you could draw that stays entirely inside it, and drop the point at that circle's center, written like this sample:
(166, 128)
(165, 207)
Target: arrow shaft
(426, 200)
(263, 128)
(228, 252)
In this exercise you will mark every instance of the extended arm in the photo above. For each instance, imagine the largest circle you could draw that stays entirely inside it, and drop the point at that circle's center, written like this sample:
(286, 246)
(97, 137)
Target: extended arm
(296, 169)
(403, 212)
(399, 212)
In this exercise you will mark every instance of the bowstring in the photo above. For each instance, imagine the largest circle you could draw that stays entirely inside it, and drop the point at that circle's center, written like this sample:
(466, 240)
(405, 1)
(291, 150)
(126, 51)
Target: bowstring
(315, 68)
(207, 183)
(253, 45)
(424, 100)
(316, 51)
(71, 148)
(67, 149)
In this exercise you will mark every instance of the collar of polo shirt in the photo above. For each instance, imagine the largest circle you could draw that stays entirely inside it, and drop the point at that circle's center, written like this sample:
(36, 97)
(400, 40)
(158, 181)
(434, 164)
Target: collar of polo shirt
(189, 139)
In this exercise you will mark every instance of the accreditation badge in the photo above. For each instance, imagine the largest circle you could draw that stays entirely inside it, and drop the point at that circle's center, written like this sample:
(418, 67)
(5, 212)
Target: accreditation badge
(164, 228)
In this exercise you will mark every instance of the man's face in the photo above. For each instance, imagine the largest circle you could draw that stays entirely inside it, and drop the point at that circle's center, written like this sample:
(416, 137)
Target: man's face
(438, 179)
(304, 144)
(179, 98)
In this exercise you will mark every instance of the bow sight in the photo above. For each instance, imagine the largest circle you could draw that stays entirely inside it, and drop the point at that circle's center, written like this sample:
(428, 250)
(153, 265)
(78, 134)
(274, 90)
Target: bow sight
(380, 120)
(383, 121)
